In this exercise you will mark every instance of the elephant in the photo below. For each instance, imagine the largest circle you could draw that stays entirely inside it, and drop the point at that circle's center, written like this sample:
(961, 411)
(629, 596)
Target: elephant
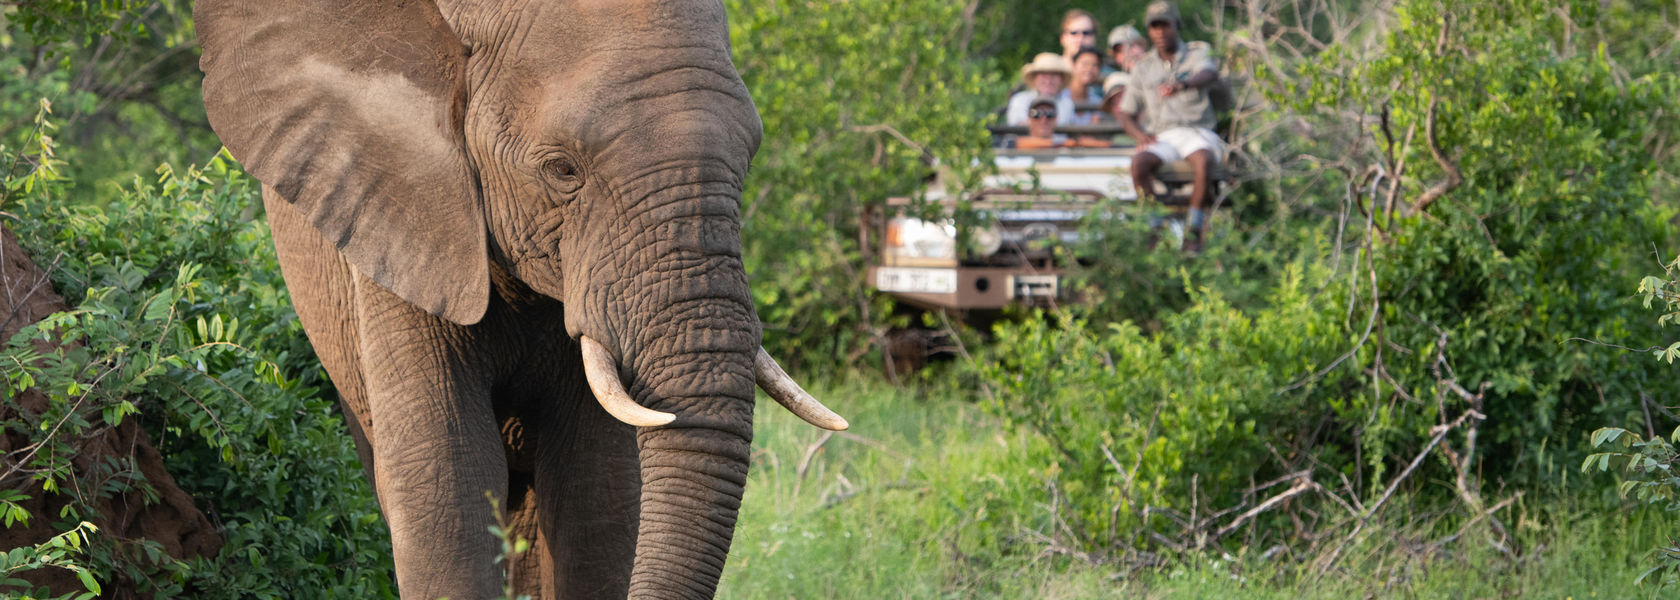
(512, 232)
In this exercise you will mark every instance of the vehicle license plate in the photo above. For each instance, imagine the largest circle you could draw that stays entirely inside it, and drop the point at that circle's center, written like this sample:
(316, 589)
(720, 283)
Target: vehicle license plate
(926, 281)
(1034, 286)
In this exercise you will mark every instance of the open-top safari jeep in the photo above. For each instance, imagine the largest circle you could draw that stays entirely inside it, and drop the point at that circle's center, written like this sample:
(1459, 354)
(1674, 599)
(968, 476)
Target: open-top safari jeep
(1003, 252)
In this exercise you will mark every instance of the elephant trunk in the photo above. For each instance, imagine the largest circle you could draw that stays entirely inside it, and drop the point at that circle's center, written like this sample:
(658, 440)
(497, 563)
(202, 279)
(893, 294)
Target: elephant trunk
(692, 481)
(694, 470)
(688, 339)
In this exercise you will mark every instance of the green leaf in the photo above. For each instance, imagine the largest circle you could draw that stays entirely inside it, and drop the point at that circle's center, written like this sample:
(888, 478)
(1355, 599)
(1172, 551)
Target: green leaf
(87, 580)
(1606, 434)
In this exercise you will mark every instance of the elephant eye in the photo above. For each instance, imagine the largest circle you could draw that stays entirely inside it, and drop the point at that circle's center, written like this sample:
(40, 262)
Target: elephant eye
(566, 172)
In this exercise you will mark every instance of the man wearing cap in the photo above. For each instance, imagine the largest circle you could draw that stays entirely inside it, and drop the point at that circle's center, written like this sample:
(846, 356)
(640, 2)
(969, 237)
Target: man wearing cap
(1169, 87)
(1041, 126)
(1041, 129)
(1126, 45)
(1047, 75)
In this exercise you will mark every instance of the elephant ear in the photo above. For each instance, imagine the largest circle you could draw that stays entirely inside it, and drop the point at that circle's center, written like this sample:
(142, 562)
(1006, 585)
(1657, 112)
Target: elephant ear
(352, 110)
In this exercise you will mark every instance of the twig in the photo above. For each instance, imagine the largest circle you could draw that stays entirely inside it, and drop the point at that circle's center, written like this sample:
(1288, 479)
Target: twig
(1454, 175)
(67, 414)
(893, 131)
(1440, 432)
(1111, 460)
(1302, 485)
(1617, 346)
(1486, 513)
(874, 444)
(811, 451)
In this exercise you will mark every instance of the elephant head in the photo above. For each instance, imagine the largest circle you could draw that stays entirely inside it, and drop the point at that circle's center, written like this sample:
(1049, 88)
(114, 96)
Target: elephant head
(592, 151)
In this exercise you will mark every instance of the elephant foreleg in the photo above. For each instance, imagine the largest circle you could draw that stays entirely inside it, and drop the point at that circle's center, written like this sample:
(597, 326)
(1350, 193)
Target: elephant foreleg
(437, 448)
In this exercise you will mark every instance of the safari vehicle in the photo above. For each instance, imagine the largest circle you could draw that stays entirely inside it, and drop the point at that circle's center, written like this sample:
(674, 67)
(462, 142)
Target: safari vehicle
(1034, 201)
(1005, 256)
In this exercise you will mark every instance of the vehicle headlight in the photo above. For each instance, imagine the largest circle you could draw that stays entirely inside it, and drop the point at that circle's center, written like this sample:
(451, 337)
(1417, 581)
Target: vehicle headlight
(985, 241)
(915, 238)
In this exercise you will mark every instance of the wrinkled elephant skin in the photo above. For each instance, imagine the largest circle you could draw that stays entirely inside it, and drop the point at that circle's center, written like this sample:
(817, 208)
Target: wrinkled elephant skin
(460, 193)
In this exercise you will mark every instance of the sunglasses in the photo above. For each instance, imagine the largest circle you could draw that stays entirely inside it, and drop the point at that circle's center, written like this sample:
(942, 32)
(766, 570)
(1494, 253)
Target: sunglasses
(1083, 32)
(1042, 113)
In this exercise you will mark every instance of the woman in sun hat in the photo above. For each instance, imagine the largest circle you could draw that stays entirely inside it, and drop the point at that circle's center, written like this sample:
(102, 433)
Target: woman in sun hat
(1046, 75)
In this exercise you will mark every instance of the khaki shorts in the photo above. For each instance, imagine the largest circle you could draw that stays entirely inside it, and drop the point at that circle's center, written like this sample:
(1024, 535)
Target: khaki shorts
(1179, 143)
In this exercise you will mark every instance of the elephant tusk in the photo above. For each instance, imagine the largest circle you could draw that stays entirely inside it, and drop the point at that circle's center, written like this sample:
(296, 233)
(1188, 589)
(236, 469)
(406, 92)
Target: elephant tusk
(776, 382)
(602, 372)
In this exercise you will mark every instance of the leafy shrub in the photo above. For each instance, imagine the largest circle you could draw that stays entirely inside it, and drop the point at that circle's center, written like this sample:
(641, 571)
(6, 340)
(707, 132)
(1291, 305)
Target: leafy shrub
(1170, 419)
(1652, 461)
(182, 322)
(57, 552)
(1480, 249)
(1553, 154)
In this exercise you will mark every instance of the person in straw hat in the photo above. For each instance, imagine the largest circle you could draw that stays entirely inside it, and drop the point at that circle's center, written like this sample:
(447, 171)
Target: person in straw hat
(1046, 75)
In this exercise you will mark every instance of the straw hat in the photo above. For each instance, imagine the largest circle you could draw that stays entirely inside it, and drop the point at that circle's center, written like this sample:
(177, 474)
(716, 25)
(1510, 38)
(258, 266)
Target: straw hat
(1047, 62)
(1112, 86)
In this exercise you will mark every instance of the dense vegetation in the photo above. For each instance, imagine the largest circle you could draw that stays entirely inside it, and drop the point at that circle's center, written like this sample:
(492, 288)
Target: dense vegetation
(1390, 360)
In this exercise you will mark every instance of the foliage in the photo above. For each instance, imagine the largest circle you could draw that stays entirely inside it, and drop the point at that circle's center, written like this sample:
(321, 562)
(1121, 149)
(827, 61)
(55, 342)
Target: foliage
(182, 322)
(511, 547)
(60, 21)
(1171, 419)
(1122, 269)
(1665, 291)
(858, 99)
(124, 74)
(928, 497)
(57, 552)
(1515, 171)
(1654, 461)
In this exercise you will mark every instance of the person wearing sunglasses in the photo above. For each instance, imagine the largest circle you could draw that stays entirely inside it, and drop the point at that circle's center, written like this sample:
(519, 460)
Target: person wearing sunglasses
(1042, 116)
(1047, 75)
(1041, 126)
(1079, 29)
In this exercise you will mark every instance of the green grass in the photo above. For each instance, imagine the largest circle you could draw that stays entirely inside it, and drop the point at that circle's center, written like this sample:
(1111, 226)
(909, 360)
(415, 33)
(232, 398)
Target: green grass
(927, 497)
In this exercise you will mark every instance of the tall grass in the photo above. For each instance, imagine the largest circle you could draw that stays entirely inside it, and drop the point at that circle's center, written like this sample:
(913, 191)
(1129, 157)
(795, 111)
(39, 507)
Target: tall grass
(927, 497)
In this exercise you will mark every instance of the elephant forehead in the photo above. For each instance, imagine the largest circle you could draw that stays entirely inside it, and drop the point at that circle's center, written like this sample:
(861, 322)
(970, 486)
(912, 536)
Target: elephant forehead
(568, 32)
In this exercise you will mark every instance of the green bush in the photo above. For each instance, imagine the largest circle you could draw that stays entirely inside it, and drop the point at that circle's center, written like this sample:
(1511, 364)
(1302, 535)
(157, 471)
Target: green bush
(1340, 347)
(181, 321)
(1650, 461)
(1169, 419)
(1555, 158)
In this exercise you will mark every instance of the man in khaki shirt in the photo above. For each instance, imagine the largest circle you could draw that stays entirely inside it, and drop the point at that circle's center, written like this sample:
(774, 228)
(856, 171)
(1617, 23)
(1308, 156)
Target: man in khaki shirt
(1169, 86)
